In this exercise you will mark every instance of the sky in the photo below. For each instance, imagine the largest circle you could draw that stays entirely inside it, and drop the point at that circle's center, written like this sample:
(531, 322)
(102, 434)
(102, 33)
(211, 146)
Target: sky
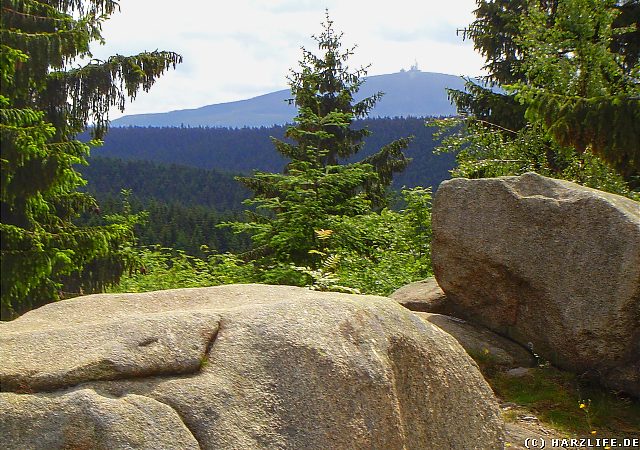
(238, 49)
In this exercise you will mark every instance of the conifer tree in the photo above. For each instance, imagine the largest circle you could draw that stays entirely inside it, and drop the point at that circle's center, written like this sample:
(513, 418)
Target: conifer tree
(320, 182)
(583, 93)
(571, 72)
(494, 33)
(45, 101)
(497, 35)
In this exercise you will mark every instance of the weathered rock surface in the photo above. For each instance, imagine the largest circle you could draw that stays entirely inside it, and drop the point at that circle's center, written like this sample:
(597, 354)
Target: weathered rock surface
(83, 419)
(239, 367)
(105, 348)
(545, 262)
(480, 342)
(423, 296)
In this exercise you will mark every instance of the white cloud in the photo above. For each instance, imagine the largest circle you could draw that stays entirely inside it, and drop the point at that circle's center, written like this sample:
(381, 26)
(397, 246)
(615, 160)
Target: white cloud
(239, 49)
(288, 6)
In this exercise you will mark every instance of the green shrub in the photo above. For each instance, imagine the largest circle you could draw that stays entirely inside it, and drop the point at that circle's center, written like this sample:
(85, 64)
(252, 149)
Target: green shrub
(166, 268)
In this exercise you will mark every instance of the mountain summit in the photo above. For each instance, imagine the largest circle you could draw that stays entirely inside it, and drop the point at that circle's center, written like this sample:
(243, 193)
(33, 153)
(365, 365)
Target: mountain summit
(407, 93)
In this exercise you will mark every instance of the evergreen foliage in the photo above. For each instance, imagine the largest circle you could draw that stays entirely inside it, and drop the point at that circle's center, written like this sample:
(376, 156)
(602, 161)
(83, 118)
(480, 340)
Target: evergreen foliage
(489, 151)
(572, 104)
(378, 253)
(183, 204)
(175, 225)
(494, 34)
(164, 183)
(45, 101)
(317, 185)
(373, 253)
(586, 95)
(497, 34)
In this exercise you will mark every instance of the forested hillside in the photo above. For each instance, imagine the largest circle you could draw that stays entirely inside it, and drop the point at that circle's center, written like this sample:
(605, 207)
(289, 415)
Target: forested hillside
(242, 150)
(177, 226)
(168, 183)
(184, 204)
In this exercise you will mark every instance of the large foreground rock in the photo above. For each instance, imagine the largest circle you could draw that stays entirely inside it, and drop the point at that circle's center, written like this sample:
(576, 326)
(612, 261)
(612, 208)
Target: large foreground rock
(551, 264)
(238, 367)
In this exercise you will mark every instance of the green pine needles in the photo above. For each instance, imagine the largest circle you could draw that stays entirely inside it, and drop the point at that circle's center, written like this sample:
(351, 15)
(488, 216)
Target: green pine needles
(320, 183)
(582, 88)
(572, 103)
(44, 104)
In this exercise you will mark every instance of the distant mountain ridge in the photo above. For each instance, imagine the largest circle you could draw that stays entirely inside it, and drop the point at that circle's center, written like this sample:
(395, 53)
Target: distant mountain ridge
(409, 93)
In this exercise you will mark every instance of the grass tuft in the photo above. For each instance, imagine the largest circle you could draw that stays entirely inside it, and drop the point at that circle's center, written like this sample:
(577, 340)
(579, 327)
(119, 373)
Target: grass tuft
(565, 402)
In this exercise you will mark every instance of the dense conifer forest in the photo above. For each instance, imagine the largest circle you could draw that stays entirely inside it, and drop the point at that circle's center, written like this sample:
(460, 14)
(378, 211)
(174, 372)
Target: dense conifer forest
(184, 204)
(167, 183)
(242, 150)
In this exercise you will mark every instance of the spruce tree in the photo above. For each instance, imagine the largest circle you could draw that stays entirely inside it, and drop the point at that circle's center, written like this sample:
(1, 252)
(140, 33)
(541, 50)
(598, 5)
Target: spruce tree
(45, 101)
(586, 95)
(321, 182)
(497, 34)
(494, 33)
(570, 69)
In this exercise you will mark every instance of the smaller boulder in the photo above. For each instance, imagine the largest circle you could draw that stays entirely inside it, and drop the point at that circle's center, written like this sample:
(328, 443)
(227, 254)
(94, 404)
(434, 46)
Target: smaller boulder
(519, 372)
(423, 296)
(480, 342)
